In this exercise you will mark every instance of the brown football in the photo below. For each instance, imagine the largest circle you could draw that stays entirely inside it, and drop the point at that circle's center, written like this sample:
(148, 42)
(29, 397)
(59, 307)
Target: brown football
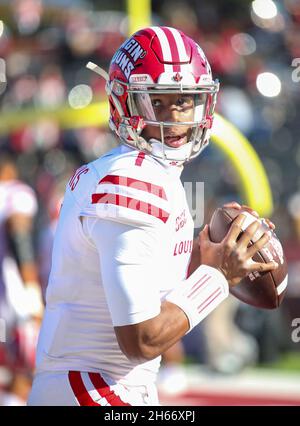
(263, 290)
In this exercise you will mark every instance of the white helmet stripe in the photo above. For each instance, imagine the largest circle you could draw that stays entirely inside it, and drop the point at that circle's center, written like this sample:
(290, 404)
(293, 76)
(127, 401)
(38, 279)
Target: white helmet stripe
(90, 389)
(183, 57)
(165, 47)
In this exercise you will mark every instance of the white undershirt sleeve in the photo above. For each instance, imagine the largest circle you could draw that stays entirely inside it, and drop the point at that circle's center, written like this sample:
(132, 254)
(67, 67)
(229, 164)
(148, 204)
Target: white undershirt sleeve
(128, 269)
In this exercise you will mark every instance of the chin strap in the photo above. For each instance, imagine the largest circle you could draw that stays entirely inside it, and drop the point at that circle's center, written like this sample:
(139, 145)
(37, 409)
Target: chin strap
(173, 155)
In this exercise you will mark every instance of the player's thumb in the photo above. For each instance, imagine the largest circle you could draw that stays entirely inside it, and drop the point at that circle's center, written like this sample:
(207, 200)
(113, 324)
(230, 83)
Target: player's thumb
(204, 234)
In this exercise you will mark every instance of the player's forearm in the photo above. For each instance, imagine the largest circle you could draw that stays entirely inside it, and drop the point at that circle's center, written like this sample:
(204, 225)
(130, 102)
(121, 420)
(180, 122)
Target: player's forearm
(149, 339)
(20, 234)
(184, 307)
(29, 273)
(34, 298)
(164, 330)
(195, 297)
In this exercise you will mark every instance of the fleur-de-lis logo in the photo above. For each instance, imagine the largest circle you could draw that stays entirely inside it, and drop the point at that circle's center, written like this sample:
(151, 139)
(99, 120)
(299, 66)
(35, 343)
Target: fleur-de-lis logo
(177, 77)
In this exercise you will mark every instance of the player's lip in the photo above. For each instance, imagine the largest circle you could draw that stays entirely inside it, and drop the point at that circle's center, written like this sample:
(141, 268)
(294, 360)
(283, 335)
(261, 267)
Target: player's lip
(175, 141)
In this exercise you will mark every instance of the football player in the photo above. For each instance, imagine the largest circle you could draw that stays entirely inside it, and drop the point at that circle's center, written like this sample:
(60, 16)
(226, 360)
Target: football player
(121, 291)
(21, 304)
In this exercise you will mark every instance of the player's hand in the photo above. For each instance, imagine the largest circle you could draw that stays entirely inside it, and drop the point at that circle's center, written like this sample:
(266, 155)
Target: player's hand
(235, 205)
(232, 256)
(33, 300)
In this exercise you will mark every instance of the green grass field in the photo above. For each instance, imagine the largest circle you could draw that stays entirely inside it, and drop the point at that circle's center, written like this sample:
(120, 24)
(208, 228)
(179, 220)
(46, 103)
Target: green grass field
(288, 362)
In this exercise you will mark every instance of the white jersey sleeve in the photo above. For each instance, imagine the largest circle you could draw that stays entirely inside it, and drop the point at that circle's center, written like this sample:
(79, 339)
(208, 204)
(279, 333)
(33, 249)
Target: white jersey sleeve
(132, 198)
(129, 267)
(125, 212)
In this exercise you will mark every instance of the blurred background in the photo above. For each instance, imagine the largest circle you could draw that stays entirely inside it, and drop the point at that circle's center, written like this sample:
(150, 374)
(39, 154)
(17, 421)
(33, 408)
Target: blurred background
(46, 132)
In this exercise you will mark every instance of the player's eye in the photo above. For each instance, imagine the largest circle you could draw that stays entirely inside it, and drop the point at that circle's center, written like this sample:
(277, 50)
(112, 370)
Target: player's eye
(156, 102)
(185, 101)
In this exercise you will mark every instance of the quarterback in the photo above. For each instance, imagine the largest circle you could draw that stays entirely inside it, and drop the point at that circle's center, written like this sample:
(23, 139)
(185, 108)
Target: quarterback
(122, 289)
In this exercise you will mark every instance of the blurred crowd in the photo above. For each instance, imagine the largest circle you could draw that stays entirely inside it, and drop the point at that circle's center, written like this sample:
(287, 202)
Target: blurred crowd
(251, 46)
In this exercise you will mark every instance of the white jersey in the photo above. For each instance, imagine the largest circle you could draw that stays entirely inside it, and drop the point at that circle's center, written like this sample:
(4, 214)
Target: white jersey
(124, 239)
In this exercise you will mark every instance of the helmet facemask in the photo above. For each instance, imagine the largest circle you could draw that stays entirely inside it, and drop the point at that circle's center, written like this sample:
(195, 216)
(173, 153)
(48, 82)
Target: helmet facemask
(140, 100)
(155, 62)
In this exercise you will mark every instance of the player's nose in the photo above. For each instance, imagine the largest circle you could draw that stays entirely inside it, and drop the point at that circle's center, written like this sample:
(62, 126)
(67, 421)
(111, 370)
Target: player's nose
(172, 114)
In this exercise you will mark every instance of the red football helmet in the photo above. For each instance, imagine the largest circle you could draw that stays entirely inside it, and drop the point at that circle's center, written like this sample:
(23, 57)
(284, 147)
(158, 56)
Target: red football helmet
(160, 60)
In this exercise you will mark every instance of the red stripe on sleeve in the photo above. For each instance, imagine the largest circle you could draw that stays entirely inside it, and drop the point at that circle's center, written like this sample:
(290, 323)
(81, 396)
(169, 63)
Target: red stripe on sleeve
(131, 203)
(135, 184)
(77, 385)
(105, 391)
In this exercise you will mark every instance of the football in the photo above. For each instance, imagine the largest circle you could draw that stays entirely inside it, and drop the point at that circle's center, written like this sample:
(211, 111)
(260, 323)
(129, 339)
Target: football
(262, 290)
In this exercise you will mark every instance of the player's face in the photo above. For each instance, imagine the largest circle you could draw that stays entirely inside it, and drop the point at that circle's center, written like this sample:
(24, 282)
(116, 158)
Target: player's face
(171, 108)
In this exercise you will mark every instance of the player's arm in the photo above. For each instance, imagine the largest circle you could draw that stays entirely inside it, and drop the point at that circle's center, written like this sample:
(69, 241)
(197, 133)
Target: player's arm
(149, 339)
(20, 233)
(205, 289)
(131, 272)
(127, 234)
(19, 225)
(146, 327)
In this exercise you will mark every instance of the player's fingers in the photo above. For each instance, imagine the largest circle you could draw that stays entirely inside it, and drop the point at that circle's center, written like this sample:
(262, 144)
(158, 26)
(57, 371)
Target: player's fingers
(248, 234)
(269, 223)
(254, 248)
(262, 267)
(235, 229)
(249, 210)
(232, 205)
